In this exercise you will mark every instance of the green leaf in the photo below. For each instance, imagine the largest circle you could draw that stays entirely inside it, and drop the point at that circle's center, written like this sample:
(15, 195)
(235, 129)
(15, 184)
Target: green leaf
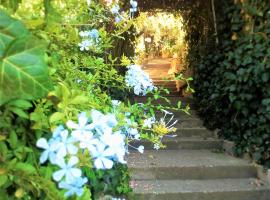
(25, 167)
(57, 117)
(13, 139)
(19, 112)
(10, 30)
(3, 179)
(20, 103)
(23, 71)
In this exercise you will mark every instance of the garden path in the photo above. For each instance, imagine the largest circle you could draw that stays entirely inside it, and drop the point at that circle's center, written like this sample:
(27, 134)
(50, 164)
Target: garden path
(193, 166)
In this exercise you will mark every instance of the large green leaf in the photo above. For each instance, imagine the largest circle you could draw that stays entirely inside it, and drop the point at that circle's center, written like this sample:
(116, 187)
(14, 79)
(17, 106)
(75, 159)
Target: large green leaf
(23, 70)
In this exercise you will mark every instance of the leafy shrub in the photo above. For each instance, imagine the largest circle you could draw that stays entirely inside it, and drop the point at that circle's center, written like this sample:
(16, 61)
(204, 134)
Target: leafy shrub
(45, 86)
(232, 79)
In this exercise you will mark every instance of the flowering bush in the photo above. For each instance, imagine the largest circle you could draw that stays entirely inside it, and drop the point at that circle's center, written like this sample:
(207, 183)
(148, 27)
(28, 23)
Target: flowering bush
(64, 132)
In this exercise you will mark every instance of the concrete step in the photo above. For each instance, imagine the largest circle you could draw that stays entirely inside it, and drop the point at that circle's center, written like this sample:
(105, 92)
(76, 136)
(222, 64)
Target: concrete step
(189, 123)
(195, 132)
(164, 83)
(220, 189)
(184, 143)
(180, 115)
(173, 101)
(187, 164)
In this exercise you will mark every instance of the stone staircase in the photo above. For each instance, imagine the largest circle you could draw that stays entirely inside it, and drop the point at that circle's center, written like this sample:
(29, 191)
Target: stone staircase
(193, 167)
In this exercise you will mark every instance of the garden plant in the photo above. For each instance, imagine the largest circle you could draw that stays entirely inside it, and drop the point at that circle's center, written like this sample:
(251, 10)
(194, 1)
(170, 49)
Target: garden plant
(67, 118)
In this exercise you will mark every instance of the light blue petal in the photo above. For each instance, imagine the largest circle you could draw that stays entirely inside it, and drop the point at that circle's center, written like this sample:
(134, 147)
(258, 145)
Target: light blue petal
(52, 158)
(62, 152)
(64, 135)
(42, 143)
(76, 172)
(72, 149)
(108, 164)
(44, 156)
(79, 192)
(58, 175)
(82, 119)
(98, 164)
(60, 162)
(73, 161)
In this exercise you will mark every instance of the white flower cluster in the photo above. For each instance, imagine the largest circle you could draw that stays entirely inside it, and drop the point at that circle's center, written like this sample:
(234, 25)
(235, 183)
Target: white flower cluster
(137, 79)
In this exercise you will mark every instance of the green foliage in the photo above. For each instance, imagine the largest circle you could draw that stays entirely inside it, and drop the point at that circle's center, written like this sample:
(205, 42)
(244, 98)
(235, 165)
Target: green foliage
(232, 78)
(23, 71)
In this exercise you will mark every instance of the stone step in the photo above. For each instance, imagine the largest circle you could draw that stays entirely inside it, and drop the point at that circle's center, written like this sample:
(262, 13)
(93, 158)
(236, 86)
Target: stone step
(180, 115)
(173, 101)
(189, 123)
(195, 132)
(187, 164)
(220, 189)
(184, 143)
(164, 83)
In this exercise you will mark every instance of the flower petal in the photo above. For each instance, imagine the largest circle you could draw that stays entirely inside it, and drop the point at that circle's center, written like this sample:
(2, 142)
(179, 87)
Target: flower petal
(108, 164)
(72, 149)
(44, 156)
(72, 125)
(42, 143)
(58, 175)
(73, 161)
(98, 164)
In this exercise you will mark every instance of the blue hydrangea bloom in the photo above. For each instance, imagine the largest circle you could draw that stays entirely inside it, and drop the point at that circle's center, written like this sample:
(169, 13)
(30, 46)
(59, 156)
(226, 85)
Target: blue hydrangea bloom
(68, 170)
(73, 188)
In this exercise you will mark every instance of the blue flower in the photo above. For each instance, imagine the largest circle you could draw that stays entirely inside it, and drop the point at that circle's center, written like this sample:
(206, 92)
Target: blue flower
(87, 141)
(85, 45)
(149, 122)
(94, 33)
(66, 145)
(69, 171)
(102, 156)
(75, 187)
(116, 143)
(57, 131)
(137, 79)
(118, 18)
(115, 9)
(134, 4)
(50, 150)
(102, 123)
(80, 128)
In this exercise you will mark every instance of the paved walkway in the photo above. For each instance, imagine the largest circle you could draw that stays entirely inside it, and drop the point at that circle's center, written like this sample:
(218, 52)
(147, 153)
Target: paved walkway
(193, 166)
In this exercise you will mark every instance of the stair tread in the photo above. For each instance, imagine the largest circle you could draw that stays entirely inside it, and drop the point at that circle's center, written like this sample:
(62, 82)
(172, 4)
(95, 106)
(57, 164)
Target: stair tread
(197, 186)
(182, 158)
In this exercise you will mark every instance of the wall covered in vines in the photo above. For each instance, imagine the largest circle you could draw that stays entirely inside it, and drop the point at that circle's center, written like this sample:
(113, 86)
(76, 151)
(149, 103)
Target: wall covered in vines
(232, 75)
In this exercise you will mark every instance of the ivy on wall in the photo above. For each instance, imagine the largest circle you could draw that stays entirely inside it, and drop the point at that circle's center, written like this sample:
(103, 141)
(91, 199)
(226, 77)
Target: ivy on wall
(232, 78)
